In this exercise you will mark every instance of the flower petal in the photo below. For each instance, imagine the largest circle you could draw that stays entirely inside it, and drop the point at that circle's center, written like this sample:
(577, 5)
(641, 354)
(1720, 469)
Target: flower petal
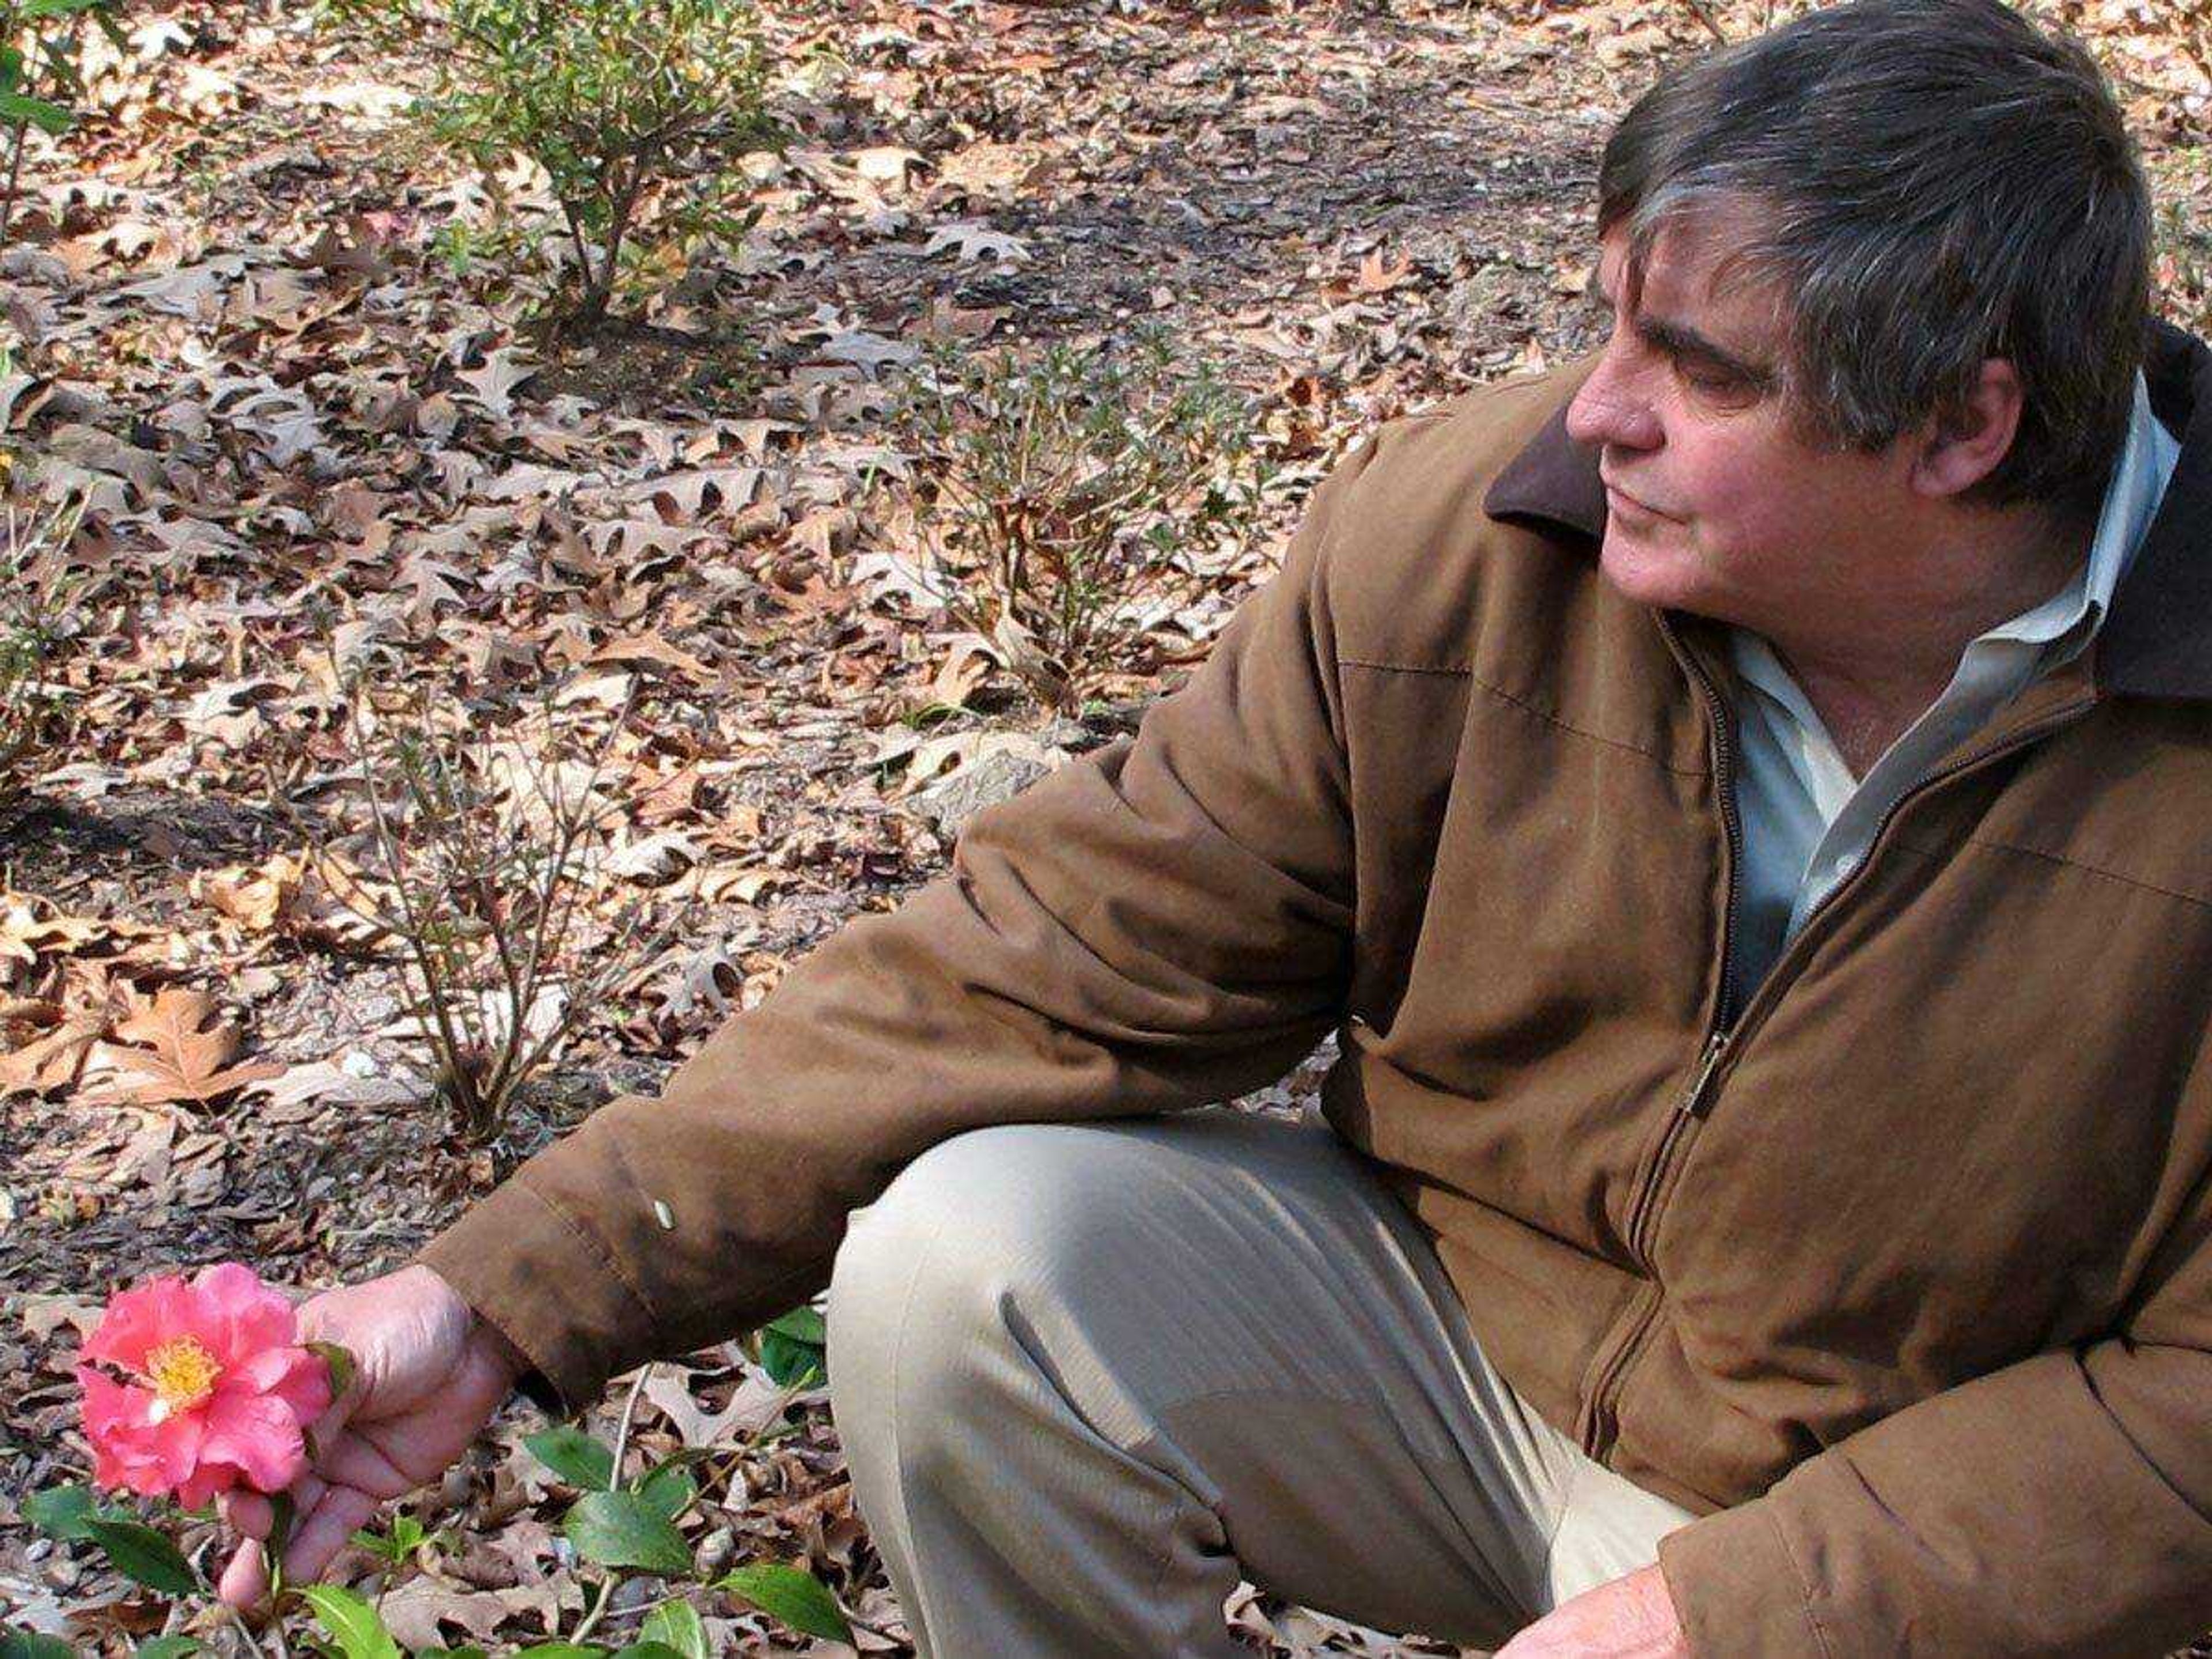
(258, 1433)
(115, 1474)
(176, 1441)
(139, 1319)
(298, 1376)
(116, 1423)
(110, 1407)
(206, 1482)
(237, 1315)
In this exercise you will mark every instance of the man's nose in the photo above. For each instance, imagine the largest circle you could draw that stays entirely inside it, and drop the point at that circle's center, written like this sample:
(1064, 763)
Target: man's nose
(1611, 411)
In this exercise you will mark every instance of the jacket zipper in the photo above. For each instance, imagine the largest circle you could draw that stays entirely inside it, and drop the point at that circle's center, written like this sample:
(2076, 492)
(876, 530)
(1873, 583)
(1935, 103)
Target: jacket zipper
(1600, 1423)
(1697, 1101)
(1716, 1040)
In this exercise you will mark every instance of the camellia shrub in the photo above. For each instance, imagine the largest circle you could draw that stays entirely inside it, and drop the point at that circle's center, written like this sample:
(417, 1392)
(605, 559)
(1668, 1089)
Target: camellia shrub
(1062, 492)
(620, 101)
(38, 714)
(478, 846)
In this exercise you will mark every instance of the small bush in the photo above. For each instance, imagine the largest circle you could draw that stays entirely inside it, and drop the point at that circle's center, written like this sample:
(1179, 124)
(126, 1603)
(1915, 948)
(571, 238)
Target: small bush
(37, 713)
(1063, 490)
(479, 851)
(617, 100)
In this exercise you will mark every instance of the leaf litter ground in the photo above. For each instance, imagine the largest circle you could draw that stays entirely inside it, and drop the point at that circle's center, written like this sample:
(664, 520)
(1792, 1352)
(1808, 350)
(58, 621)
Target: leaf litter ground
(238, 341)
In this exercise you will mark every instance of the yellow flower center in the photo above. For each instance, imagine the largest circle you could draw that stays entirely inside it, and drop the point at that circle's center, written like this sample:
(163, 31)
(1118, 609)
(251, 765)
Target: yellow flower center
(183, 1373)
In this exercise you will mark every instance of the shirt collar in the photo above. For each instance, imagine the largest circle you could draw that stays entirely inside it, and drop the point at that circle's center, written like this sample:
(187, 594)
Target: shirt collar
(2131, 497)
(2073, 614)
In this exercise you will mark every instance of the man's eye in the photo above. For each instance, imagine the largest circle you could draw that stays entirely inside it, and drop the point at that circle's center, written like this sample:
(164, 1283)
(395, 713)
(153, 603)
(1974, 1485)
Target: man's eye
(1719, 382)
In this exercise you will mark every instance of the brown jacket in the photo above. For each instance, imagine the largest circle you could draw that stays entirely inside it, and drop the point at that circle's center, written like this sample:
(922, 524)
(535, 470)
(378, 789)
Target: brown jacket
(1898, 1274)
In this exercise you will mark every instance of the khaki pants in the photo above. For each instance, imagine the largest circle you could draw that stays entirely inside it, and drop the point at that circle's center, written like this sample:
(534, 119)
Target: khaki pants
(1088, 1376)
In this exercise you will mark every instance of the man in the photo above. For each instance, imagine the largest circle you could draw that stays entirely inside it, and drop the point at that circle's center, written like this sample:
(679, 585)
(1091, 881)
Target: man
(1739, 802)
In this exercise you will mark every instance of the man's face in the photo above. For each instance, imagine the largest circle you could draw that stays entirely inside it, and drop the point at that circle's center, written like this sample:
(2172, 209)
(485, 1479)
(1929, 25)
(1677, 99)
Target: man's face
(1715, 503)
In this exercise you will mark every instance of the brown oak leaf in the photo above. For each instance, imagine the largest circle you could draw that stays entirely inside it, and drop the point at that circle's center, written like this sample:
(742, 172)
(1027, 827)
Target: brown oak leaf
(181, 1052)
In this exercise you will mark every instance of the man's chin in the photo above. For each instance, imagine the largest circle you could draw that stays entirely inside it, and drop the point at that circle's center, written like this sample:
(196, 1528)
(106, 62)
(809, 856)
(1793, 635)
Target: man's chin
(1649, 573)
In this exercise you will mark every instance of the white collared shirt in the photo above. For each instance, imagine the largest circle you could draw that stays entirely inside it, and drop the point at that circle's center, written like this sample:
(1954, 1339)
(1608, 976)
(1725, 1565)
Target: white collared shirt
(1807, 822)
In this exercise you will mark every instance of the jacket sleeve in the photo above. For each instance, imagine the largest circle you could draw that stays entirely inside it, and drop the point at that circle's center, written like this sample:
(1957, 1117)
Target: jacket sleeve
(2056, 1506)
(1160, 923)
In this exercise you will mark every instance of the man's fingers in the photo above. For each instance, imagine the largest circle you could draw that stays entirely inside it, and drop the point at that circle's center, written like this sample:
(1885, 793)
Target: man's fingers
(354, 1460)
(248, 1513)
(326, 1429)
(325, 1522)
(243, 1582)
(326, 1531)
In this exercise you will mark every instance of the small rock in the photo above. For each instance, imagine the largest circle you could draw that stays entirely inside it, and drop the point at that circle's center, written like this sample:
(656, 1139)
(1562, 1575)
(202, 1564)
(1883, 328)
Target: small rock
(716, 1551)
(996, 777)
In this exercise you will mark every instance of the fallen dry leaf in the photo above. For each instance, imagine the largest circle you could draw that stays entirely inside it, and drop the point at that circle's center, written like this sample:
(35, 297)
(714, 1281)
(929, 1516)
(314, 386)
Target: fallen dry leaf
(52, 1062)
(351, 1080)
(256, 895)
(180, 1052)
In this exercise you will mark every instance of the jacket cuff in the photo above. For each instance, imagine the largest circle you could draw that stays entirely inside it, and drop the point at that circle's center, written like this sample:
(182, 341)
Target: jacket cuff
(1736, 1588)
(539, 1278)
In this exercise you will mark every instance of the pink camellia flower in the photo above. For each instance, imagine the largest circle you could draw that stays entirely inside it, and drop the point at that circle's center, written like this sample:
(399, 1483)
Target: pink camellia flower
(219, 1391)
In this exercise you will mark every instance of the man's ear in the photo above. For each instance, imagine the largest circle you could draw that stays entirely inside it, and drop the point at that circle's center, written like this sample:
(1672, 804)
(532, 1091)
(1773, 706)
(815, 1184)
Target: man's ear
(1960, 450)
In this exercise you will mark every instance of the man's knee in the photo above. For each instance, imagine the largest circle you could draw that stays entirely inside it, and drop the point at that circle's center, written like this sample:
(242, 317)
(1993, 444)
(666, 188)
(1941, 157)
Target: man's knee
(931, 1280)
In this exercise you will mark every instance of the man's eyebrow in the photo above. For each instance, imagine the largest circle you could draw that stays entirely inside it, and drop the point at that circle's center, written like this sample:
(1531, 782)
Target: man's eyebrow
(1679, 339)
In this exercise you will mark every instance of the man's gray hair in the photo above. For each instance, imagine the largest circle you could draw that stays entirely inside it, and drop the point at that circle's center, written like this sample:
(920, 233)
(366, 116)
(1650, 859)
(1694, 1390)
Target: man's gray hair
(1931, 183)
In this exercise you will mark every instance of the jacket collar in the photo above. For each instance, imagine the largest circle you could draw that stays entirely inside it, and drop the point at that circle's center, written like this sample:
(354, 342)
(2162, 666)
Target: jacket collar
(2157, 643)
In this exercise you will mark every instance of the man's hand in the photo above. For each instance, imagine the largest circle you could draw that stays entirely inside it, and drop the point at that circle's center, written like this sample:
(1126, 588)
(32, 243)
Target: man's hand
(429, 1374)
(1631, 1618)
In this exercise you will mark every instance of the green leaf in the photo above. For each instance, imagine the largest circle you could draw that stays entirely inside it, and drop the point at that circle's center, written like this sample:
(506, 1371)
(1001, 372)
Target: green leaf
(351, 1622)
(578, 1458)
(31, 1645)
(50, 118)
(403, 1540)
(647, 1650)
(168, 1647)
(62, 1511)
(284, 1513)
(667, 1490)
(340, 1359)
(562, 1650)
(802, 1325)
(791, 1594)
(140, 1553)
(790, 1361)
(621, 1530)
(675, 1624)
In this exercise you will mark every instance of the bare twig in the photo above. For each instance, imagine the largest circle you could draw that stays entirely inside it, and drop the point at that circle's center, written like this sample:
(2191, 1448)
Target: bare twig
(479, 894)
